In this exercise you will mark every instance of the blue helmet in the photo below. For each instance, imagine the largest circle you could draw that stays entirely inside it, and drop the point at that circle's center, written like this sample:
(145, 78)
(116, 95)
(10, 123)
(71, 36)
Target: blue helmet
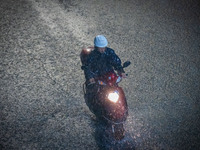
(100, 41)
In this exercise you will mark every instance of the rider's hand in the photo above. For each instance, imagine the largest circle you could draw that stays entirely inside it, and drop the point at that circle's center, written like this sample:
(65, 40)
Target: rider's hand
(92, 80)
(123, 75)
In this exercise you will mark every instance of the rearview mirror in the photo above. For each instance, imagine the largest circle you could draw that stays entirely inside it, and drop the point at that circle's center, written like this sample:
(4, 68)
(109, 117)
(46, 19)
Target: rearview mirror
(126, 64)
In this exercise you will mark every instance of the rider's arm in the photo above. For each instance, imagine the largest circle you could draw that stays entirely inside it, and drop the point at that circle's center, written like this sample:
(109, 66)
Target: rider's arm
(115, 61)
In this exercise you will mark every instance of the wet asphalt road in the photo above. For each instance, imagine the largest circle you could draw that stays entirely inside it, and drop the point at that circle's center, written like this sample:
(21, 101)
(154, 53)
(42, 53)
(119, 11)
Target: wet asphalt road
(41, 98)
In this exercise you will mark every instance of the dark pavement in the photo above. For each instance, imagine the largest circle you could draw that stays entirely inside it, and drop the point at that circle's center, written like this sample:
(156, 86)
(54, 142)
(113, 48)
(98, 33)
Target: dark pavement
(41, 98)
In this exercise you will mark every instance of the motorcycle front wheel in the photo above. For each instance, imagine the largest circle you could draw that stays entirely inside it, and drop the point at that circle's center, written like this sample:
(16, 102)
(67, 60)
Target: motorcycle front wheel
(118, 131)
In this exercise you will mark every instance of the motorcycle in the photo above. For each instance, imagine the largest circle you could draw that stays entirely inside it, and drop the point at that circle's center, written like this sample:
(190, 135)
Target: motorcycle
(109, 102)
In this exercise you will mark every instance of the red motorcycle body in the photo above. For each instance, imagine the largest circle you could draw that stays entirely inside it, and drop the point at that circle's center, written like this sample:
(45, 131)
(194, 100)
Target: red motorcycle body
(102, 104)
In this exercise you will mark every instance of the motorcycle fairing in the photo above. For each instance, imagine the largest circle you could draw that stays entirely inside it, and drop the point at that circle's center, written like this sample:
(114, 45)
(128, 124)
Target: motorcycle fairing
(115, 112)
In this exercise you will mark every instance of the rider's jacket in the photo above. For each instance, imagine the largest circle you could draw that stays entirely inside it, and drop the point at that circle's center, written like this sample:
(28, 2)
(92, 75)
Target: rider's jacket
(99, 64)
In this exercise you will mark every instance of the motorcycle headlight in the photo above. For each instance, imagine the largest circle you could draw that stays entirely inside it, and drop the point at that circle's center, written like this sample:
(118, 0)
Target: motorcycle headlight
(113, 97)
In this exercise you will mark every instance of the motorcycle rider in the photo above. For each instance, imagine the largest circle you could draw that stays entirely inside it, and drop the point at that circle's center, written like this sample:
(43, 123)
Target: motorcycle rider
(99, 62)
(102, 60)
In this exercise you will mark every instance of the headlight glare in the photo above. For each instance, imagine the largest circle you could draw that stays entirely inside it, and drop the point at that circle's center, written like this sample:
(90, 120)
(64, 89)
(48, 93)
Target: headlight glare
(114, 96)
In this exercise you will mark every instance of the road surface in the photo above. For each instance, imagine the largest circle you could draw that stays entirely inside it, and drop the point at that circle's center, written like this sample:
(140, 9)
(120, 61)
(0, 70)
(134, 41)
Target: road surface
(41, 98)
